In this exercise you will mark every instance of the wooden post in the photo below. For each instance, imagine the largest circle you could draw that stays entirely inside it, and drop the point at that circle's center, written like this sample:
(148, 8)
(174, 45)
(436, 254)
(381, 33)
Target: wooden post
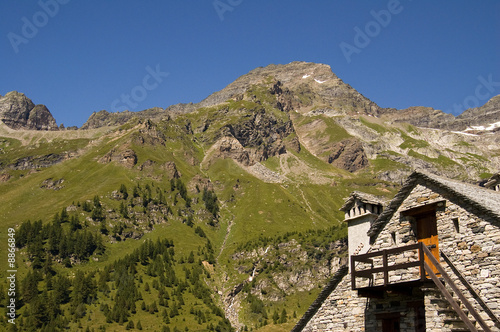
(386, 271)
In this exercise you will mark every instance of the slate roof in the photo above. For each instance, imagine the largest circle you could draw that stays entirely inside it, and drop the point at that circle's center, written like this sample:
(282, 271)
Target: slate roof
(485, 200)
(364, 197)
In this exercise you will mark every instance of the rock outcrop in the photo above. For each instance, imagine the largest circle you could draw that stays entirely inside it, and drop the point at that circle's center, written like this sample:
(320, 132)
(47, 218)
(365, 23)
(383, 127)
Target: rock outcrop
(485, 115)
(18, 112)
(427, 117)
(348, 154)
(123, 156)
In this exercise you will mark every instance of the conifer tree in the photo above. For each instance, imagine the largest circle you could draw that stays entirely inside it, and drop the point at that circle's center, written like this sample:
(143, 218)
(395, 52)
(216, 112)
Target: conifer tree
(123, 191)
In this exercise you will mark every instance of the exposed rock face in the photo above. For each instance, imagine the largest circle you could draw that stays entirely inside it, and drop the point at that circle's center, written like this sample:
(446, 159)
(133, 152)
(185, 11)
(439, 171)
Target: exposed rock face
(348, 154)
(263, 132)
(428, 117)
(4, 177)
(41, 119)
(420, 116)
(52, 184)
(171, 170)
(150, 135)
(293, 144)
(127, 157)
(18, 112)
(229, 147)
(104, 118)
(480, 116)
(35, 162)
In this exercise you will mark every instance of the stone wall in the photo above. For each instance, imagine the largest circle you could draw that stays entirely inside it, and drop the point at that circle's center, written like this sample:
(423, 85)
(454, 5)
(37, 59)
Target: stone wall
(345, 311)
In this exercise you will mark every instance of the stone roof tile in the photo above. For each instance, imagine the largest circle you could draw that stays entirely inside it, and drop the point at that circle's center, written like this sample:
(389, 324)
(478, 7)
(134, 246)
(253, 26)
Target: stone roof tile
(487, 201)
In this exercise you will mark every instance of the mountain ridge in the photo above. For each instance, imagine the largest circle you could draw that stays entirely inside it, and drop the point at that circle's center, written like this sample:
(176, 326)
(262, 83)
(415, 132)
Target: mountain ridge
(333, 94)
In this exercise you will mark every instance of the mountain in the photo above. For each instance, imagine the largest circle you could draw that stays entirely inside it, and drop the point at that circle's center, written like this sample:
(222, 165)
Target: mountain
(218, 215)
(18, 112)
(427, 117)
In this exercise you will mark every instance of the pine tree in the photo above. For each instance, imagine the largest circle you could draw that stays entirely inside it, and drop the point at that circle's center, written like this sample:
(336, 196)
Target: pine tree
(283, 318)
(191, 257)
(130, 325)
(64, 216)
(123, 191)
(97, 211)
(74, 223)
(124, 210)
(29, 287)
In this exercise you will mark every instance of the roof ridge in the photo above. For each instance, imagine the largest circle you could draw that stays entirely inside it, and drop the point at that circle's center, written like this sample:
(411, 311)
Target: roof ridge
(482, 201)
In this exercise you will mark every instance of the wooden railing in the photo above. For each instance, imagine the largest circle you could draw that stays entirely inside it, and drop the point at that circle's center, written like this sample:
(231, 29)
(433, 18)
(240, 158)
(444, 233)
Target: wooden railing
(385, 268)
(425, 271)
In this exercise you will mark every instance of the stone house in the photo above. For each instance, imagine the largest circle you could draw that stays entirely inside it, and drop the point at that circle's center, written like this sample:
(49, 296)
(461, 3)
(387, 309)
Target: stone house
(428, 260)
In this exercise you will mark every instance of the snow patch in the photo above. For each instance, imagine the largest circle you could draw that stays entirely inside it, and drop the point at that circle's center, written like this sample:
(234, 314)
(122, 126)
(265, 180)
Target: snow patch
(490, 127)
(306, 76)
(318, 81)
(474, 128)
(493, 126)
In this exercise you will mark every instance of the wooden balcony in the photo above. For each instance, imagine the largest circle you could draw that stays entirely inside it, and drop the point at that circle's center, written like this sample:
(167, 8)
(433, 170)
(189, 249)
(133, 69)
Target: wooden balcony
(391, 270)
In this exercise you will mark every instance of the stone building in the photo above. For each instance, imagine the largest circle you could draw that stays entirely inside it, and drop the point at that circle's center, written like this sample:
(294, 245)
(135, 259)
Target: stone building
(429, 260)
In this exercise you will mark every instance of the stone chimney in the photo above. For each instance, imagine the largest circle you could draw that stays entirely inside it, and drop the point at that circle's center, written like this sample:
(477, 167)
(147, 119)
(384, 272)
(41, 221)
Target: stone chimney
(360, 211)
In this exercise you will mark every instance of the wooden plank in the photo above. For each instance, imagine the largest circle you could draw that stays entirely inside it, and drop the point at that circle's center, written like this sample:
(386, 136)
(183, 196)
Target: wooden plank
(421, 260)
(383, 269)
(363, 260)
(386, 271)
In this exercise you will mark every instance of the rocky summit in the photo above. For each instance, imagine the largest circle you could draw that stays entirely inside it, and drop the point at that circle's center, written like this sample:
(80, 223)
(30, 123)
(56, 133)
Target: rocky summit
(217, 216)
(18, 112)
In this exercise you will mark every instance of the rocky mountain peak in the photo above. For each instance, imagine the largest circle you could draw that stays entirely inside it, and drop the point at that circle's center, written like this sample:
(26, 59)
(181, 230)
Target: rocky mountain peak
(313, 86)
(18, 112)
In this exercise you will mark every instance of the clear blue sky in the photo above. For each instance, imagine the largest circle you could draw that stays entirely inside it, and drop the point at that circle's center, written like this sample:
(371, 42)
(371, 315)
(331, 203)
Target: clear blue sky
(83, 55)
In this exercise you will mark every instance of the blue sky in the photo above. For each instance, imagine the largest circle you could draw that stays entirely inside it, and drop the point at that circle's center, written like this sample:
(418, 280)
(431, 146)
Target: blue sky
(77, 57)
